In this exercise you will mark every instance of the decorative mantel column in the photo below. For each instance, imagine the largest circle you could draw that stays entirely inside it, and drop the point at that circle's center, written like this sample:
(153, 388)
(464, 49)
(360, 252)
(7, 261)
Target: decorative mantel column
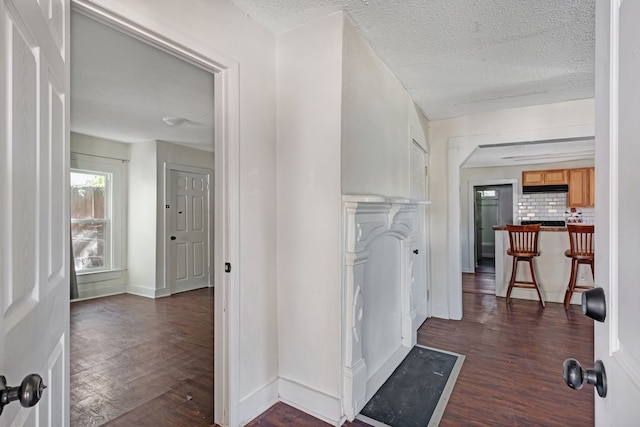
(387, 230)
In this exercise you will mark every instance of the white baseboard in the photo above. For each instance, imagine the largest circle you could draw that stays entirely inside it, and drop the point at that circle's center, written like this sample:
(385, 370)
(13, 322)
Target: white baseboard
(191, 288)
(258, 402)
(90, 291)
(99, 292)
(440, 311)
(141, 292)
(162, 292)
(531, 294)
(313, 402)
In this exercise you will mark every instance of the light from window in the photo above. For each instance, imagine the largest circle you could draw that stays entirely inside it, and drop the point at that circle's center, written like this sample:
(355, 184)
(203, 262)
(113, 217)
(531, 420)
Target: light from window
(488, 194)
(90, 221)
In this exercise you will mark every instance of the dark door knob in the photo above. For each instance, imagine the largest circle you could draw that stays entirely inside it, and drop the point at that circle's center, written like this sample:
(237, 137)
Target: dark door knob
(28, 393)
(575, 376)
(173, 237)
(594, 304)
(415, 251)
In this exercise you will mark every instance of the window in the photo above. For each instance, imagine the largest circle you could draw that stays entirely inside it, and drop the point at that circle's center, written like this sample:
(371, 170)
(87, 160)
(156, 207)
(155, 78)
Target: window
(91, 220)
(98, 216)
(488, 194)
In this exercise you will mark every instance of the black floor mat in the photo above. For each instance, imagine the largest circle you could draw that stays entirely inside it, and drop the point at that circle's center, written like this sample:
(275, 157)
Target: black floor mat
(411, 394)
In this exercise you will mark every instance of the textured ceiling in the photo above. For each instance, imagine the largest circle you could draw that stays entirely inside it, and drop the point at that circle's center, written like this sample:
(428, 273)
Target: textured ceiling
(458, 57)
(121, 88)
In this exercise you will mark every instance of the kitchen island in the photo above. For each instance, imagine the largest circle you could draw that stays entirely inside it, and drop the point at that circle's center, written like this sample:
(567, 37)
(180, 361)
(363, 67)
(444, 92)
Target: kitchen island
(552, 267)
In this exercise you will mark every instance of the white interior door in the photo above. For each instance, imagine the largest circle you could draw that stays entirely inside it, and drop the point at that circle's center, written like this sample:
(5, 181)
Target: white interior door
(189, 230)
(418, 189)
(617, 341)
(34, 218)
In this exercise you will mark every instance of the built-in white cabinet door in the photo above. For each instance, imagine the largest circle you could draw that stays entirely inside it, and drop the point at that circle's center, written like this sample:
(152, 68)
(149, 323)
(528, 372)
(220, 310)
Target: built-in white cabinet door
(418, 190)
(34, 218)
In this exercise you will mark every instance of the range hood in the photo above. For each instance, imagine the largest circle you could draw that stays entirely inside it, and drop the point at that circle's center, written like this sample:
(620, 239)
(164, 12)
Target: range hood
(561, 188)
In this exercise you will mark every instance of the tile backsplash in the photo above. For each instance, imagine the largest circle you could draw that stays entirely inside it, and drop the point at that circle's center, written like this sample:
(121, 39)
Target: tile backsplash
(548, 207)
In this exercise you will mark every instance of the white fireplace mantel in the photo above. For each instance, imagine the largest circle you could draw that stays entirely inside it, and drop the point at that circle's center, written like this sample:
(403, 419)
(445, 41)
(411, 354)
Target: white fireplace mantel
(384, 290)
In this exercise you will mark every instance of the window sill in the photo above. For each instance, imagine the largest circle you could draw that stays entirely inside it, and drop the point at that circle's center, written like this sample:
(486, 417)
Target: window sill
(99, 276)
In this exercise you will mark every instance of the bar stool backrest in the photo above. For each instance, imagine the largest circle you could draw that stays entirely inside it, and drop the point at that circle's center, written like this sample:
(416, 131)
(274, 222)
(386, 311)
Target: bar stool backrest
(523, 239)
(580, 240)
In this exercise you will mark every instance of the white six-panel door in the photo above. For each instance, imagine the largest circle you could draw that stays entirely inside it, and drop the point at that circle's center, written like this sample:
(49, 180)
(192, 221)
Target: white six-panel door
(617, 341)
(34, 219)
(189, 230)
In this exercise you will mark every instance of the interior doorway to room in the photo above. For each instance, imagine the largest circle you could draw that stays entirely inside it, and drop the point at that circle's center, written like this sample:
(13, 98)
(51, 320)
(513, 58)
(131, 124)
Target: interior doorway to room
(112, 108)
(490, 205)
(493, 205)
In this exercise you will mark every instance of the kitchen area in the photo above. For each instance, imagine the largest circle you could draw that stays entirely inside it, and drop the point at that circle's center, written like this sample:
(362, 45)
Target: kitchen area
(552, 198)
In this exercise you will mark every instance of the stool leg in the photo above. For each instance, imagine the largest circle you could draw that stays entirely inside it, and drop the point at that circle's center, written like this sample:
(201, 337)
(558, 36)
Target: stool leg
(572, 283)
(513, 278)
(535, 282)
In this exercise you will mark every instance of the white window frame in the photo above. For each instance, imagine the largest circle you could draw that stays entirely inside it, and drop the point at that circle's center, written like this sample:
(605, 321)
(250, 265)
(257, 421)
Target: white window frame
(107, 221)
(115, 205)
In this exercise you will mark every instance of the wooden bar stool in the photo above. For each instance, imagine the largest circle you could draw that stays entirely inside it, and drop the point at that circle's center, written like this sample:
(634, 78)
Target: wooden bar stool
(581, 252)
(523, 246)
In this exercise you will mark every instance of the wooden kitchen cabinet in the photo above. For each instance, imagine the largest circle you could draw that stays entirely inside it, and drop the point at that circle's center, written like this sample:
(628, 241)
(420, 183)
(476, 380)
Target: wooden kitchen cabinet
(592, 187)
(581, 188)
(545, 177)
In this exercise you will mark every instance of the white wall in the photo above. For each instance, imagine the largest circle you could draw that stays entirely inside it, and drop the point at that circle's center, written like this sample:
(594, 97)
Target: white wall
(143, 202)
(509, 125)
(377, 113)
(484, 174)
(343, 127)
(92, 146)
(309, 213)
(210, 28)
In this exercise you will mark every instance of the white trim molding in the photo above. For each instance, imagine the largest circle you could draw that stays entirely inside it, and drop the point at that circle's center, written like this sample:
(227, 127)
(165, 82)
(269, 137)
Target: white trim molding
(259, 401)
(316, 403)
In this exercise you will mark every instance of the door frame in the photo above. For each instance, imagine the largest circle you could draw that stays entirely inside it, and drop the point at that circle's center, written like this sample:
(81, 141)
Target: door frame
(226, 194)
(470, 268)
(168, 200)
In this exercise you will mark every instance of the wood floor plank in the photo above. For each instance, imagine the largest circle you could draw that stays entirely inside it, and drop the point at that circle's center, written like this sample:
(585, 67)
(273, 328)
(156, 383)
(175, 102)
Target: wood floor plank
(142, 362)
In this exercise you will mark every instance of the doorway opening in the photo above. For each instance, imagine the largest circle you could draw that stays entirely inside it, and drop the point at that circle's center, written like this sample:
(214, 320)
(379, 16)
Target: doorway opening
(490, 202)
(225, 141)
(493, 206)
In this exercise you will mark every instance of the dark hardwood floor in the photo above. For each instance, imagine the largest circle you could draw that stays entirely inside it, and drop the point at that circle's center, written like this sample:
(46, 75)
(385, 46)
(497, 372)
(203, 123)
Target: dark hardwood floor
(142, 362)
(512, 375)
(483, 281)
